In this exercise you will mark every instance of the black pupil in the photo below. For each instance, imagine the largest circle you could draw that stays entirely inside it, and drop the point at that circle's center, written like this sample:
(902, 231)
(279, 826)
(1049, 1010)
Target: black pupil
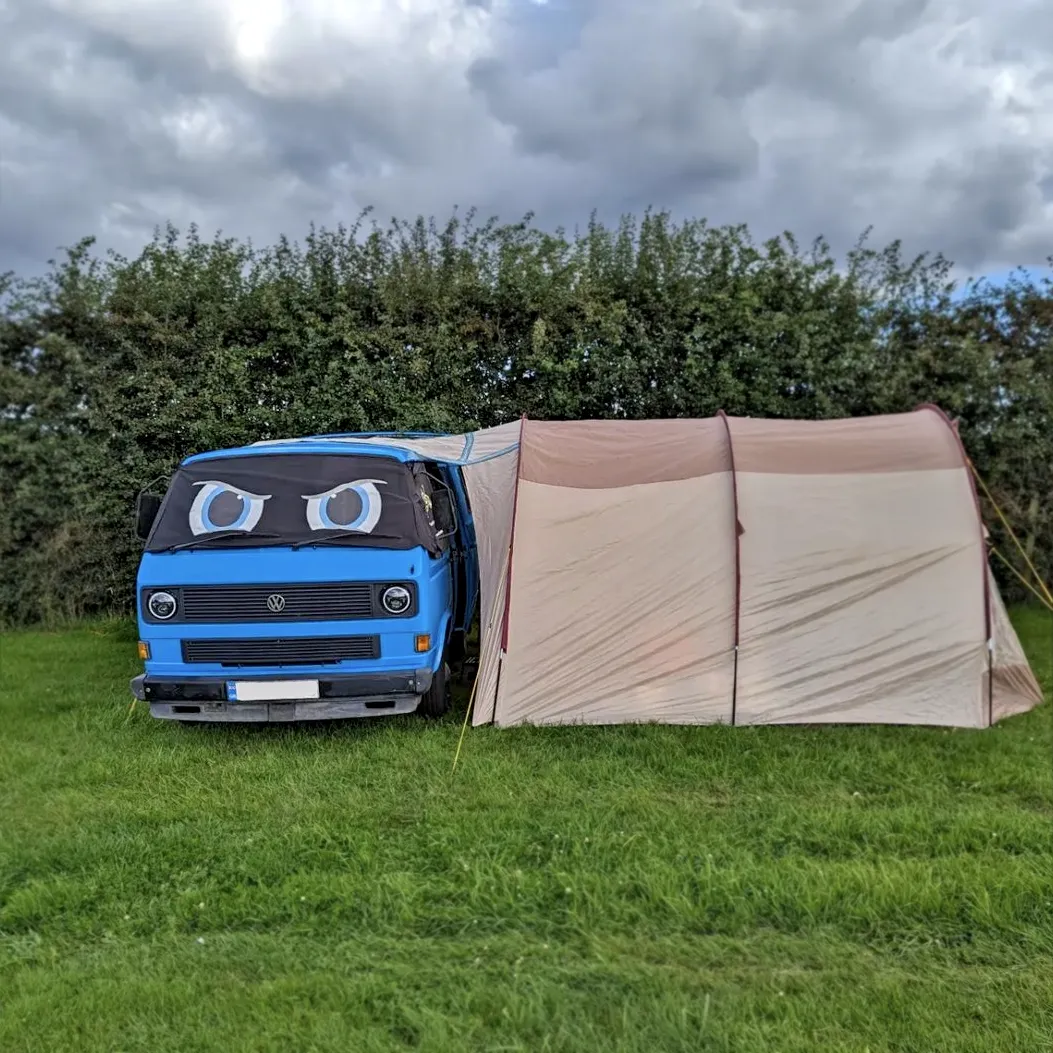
(226, 508)
(344, 508)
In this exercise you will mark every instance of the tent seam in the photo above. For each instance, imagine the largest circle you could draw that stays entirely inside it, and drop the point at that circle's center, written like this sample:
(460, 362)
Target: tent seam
(738, 563)
(488, 456)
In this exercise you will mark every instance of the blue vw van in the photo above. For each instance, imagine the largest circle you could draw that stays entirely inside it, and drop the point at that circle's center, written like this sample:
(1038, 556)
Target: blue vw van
(324, 578)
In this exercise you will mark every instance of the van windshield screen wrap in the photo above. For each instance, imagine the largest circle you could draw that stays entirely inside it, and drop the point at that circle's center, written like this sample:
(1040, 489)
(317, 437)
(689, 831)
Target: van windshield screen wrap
(282, 499)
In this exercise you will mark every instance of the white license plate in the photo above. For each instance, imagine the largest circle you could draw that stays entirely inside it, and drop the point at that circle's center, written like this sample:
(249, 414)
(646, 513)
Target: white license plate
(274, 690)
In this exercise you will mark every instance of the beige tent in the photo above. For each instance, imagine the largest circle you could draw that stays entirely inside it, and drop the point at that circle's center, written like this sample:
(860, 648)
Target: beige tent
(735, 570)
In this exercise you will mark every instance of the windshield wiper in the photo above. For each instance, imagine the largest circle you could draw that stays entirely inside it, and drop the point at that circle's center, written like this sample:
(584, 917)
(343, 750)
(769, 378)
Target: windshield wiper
(339, 535)
(218, 536)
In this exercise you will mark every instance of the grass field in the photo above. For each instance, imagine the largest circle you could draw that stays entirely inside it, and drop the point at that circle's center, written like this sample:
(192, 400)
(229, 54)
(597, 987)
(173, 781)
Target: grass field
(648, 889)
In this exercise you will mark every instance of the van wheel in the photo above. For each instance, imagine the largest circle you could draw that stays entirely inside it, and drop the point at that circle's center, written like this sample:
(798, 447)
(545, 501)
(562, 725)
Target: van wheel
(436, 700)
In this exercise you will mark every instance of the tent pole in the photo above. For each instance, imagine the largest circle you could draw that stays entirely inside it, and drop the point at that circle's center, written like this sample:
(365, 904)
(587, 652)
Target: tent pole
(512, 537)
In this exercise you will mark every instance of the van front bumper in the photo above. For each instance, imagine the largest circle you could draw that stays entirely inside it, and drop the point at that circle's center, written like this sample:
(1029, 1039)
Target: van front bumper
(340, 698)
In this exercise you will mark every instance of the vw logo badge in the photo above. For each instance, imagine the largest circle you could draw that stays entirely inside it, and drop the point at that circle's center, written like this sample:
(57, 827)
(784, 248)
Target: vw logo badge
(276, 603)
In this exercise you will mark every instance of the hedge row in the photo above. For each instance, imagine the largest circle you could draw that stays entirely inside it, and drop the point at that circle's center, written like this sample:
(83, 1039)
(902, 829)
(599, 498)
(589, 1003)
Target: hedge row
(112, 369)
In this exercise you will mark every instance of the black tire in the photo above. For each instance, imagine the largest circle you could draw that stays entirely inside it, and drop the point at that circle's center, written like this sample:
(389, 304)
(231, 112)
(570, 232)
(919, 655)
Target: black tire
(436, 700)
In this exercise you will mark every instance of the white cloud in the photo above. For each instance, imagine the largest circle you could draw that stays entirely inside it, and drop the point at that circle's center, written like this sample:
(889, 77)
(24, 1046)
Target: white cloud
(931, 121)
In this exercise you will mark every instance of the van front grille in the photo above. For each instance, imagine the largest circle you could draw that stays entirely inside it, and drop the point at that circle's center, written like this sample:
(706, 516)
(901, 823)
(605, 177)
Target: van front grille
(303, 650)
(308, 601)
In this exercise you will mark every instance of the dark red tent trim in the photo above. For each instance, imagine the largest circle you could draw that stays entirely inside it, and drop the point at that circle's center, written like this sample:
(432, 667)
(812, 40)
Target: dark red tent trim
(512, 539)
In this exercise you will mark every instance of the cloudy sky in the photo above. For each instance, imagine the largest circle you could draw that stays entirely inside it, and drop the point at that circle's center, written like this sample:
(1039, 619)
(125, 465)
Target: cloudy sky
(931, 120)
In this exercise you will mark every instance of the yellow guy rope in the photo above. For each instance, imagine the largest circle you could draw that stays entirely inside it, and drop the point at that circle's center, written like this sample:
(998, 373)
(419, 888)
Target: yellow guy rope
(1023, 581)
(475, 683)
(1048, 595)
(464, 726)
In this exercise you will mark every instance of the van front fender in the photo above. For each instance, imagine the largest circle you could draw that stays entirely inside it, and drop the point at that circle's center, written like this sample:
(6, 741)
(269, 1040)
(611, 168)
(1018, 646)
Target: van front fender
(444, 636)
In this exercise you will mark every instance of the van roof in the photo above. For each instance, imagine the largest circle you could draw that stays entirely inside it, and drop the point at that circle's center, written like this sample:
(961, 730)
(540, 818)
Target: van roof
(338, 442)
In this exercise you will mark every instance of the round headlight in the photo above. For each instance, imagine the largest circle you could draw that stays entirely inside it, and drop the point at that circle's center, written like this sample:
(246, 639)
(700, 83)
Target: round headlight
(162, 605)
(396, 599)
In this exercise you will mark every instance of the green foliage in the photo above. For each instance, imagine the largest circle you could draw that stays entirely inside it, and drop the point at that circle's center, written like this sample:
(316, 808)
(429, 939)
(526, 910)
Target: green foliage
(632, 889)
(113, 369)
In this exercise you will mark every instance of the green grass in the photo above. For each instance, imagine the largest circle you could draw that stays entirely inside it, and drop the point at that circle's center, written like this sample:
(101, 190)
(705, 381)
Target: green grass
(645, 889)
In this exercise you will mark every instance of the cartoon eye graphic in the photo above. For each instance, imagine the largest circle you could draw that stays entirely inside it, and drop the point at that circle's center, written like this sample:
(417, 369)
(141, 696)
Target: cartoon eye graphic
(349, 506)
(221, 506)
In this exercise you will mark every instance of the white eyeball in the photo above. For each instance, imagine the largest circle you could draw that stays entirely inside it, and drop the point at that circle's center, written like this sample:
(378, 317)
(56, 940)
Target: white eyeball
(349, 506)
(221, 506)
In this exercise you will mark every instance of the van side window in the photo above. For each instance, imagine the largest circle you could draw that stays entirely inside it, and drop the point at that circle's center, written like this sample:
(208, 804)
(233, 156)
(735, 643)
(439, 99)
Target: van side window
(424, 476)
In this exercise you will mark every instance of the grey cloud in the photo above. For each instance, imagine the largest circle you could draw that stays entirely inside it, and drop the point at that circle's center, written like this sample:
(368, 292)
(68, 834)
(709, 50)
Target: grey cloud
(930, 119)
(638, 95)
(997, 189)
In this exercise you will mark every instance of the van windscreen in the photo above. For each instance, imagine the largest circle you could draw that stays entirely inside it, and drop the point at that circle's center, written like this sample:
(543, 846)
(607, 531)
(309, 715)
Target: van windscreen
(283, 499)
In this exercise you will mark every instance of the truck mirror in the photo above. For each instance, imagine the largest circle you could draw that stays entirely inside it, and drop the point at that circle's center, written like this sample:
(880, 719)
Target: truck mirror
(146, 508)
(442, 506)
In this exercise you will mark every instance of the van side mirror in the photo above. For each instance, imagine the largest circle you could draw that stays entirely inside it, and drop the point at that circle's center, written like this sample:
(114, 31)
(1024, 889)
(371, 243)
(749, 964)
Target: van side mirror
(442, 507)
(146, 508)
